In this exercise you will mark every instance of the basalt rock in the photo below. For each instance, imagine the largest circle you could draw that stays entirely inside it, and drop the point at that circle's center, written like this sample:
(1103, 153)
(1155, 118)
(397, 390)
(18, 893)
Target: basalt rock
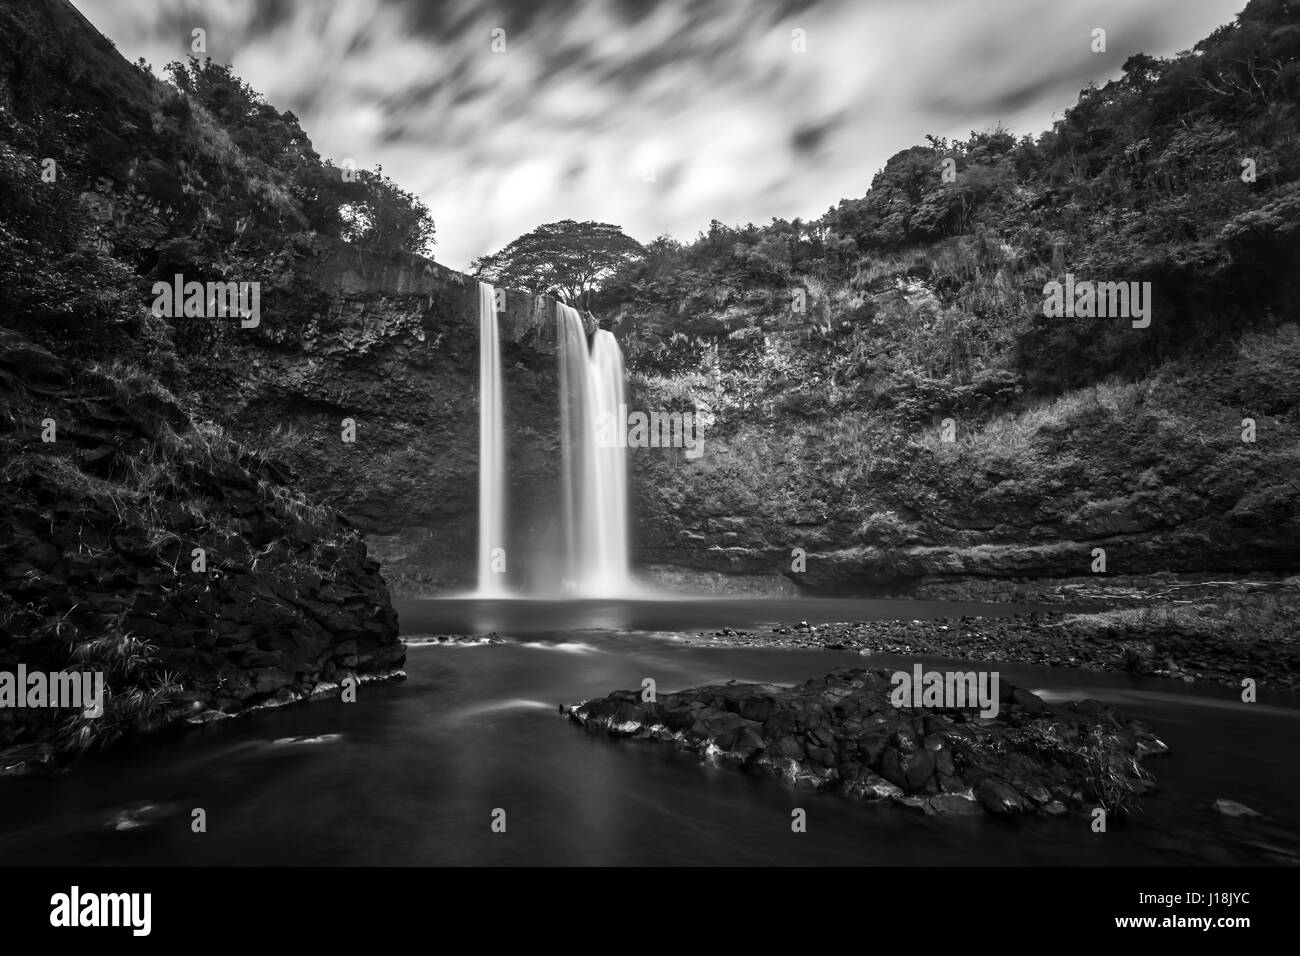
(391, 341)
(135, 543)
(840, 731)
(1163, 485)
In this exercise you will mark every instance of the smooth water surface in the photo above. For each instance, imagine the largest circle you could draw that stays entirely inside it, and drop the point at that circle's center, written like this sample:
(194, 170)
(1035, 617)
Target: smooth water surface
(412, 772)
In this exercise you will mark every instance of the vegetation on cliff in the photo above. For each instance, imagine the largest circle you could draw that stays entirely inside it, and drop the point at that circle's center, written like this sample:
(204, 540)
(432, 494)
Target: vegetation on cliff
(139, 538)
(828, 356)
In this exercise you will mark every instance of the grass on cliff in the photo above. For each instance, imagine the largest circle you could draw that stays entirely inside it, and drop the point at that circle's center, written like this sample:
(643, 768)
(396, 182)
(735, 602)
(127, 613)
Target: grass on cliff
(138, 694)
(815, 466)
(1013, 435)
(151, 488)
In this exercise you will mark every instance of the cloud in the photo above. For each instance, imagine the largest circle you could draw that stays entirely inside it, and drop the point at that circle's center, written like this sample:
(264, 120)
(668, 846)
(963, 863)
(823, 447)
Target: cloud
(658, 116)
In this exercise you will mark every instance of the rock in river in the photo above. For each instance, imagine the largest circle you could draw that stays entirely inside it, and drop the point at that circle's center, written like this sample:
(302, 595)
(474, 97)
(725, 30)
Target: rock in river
(841, 731)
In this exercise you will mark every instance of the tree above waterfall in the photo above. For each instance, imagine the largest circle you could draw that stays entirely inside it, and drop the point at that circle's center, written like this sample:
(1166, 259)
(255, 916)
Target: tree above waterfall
(566, 259)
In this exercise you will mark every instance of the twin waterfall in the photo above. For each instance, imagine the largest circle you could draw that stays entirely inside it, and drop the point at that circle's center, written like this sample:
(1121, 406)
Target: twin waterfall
(594, 473)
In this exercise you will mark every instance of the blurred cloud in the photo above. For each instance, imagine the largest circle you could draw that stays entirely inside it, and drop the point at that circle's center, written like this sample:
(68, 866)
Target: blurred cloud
(657, 116)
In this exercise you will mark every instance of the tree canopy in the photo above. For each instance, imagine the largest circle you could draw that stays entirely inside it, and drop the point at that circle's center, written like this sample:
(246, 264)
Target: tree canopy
(362, 206)
(566, 259)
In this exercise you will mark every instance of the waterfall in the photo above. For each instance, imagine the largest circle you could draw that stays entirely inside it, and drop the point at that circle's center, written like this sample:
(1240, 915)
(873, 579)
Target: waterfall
(595, 472)
(491, 445)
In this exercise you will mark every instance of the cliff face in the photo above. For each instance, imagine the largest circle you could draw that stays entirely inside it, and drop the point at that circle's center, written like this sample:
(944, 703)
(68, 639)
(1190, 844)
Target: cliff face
(148, 185)
(182, 566)
(893, 388)
(139, 539)
(821, 429)
(392, 343)
(1155, 472)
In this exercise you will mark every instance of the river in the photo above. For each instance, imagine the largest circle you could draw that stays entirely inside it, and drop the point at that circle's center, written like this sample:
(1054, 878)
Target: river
(412, 772)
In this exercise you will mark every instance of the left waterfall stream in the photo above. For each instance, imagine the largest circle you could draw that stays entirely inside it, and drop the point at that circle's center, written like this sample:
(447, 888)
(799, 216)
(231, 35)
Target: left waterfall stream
(491, 451)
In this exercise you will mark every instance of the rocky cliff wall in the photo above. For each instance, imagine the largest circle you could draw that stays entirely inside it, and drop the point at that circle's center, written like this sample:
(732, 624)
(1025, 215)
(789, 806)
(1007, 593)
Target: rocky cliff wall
(392, 343)
(1161, 481)
(153, 550)
(1155, 473)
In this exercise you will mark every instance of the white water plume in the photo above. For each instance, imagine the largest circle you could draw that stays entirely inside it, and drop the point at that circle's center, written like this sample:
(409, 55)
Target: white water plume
(595, 473)
(491, 449)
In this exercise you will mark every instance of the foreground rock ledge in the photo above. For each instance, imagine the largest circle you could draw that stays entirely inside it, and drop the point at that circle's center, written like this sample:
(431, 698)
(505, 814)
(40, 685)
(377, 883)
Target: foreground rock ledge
(841, 731)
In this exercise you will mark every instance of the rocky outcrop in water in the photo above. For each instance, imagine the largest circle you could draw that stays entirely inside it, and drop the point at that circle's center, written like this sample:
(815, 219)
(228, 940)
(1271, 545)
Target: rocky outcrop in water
(841, 731)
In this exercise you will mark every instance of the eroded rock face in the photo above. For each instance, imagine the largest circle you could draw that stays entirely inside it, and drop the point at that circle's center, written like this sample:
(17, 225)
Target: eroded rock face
(392, 342)
(1164, 483)
(841, 731)
(187, 569)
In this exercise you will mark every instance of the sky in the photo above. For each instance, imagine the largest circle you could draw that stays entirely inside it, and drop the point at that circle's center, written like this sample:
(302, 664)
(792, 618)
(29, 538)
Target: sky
(655, 116)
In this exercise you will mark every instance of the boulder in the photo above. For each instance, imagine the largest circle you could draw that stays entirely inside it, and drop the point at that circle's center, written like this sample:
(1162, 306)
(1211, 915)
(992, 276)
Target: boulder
(999, 798)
